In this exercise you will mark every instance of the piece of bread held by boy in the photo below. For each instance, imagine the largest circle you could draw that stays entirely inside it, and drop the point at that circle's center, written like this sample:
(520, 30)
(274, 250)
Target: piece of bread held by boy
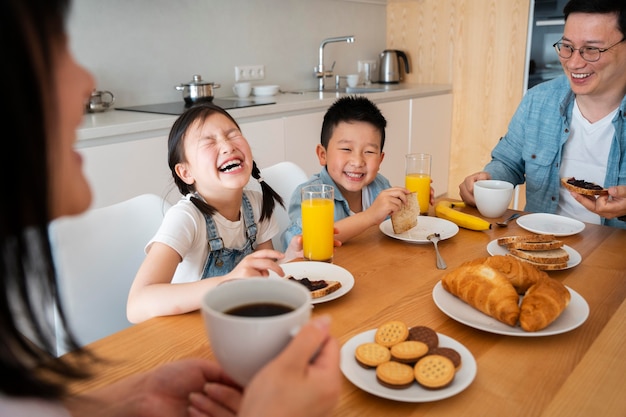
(406, 218)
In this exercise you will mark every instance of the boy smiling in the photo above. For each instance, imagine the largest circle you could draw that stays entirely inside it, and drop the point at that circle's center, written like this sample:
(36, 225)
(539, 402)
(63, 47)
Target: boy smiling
(351, 151)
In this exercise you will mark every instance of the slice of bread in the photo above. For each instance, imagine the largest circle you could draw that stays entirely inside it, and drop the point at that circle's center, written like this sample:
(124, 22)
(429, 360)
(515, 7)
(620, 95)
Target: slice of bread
(583, 187)
(552, 256)
(540, 266)
(318, 288)
(506, 240)
(553, 244)
(328, 289)
(406, 218)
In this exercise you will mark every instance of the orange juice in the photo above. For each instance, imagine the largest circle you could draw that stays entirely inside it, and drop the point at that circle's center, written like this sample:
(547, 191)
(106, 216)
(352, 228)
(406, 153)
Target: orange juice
(419, 183)
(318, 216)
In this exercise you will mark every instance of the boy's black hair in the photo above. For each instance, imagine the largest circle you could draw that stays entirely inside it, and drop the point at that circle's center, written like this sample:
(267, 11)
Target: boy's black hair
(352, 109)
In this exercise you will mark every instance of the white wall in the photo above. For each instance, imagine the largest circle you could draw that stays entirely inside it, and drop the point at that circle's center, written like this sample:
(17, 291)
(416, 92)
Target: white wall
(141, 49)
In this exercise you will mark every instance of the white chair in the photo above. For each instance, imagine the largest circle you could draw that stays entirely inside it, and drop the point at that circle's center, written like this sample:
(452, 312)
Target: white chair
(97, 255)
(283, 177)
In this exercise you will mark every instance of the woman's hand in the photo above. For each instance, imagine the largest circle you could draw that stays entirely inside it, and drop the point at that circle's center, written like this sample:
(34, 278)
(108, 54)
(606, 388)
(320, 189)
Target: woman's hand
(304, 380)
(195, 387)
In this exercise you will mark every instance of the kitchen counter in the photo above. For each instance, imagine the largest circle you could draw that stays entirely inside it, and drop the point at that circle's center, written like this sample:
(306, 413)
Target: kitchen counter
(118, 125)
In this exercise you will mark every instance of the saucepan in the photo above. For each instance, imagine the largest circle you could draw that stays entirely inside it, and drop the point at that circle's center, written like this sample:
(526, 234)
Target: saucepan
(197, 90)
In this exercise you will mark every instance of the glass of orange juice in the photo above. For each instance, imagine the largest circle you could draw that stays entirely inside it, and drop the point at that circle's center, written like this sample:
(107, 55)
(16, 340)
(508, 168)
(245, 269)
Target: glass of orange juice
(318, 215)
(417, 178)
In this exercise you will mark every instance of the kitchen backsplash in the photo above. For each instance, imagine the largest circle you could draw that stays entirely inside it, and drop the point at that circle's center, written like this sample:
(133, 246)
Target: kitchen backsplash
(141, 49)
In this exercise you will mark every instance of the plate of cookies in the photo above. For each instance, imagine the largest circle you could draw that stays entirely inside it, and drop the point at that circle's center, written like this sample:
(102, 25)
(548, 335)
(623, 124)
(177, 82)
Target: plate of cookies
(426, 225)
(405, 364)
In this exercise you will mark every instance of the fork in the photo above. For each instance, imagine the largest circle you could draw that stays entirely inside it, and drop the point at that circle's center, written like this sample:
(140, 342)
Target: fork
(435, 237)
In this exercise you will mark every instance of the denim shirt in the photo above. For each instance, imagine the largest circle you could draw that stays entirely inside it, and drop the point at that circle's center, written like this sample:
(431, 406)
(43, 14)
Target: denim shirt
(532, 148)
(342, 209)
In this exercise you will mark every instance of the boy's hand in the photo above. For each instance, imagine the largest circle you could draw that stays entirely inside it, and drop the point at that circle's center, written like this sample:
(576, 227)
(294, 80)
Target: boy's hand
(388, 201)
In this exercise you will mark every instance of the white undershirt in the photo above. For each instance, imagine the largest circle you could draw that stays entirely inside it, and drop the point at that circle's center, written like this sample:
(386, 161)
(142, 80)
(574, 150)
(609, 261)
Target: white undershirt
(585, 157)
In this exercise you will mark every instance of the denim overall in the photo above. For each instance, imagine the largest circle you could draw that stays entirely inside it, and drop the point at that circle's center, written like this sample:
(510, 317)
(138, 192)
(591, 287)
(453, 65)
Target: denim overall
(222, 260)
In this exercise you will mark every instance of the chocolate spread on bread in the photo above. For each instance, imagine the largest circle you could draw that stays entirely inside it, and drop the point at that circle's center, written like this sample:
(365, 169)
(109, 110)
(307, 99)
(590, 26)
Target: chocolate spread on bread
(583, 184)
(311, 285)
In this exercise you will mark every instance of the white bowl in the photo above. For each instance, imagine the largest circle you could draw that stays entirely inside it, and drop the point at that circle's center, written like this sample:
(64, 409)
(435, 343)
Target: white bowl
(265, 90)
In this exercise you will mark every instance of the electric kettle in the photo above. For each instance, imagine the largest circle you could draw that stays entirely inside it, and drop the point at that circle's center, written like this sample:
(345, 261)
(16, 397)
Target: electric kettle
(390, 66)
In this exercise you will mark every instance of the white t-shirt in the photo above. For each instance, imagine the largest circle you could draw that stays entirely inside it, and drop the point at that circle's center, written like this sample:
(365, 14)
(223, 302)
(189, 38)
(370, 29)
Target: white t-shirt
(184, 230)
(585, 157)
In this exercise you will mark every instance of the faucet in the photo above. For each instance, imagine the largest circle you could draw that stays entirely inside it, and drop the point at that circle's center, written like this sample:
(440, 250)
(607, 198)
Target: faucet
(319, 72)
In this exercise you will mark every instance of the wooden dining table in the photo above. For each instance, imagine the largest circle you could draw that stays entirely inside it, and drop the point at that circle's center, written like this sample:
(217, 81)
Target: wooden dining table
(580, 372)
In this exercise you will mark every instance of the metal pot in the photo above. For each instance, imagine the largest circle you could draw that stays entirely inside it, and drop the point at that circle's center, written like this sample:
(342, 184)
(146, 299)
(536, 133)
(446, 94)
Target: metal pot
(197, 90)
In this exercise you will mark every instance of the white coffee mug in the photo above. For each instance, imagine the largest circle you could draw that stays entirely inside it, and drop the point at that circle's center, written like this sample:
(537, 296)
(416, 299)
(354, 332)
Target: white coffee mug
(242, 90)
(353, 80)
(243, 345)
(492, 197)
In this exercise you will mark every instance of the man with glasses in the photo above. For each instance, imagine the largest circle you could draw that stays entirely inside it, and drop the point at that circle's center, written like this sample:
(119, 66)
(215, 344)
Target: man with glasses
(574, 125)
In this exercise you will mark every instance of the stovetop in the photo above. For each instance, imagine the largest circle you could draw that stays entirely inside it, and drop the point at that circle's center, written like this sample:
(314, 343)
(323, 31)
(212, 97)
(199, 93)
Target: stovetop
(178, 107)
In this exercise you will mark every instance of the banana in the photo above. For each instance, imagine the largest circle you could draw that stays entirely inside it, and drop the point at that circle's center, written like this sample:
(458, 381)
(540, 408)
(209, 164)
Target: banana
(445, 210)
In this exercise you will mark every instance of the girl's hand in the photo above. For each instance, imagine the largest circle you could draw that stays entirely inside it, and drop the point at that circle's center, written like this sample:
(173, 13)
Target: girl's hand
(258, 264)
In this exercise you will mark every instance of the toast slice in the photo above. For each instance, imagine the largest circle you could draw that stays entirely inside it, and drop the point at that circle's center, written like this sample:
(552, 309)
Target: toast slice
(583, 187)
(318, 288)
(540, 266)
(534, 238)
(553, 244)
(552, 256)
(406, 218)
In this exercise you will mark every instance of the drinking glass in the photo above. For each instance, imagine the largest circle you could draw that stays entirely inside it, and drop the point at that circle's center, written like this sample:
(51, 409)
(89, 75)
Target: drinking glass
(318, 214)
(417, 178)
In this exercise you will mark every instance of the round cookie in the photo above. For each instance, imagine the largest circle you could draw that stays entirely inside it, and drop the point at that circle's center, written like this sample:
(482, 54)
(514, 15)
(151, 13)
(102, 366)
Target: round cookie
(434, 371)
(395, 375)
(408, 351)
(425, 335)
(449, 353)
(391, 333)
(370, 355)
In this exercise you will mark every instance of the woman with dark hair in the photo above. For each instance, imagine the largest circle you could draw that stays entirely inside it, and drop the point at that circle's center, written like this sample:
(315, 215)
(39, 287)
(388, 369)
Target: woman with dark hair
(47, 90)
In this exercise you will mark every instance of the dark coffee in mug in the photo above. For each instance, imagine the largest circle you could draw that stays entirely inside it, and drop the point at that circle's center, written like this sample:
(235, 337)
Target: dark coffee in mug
(259, 310)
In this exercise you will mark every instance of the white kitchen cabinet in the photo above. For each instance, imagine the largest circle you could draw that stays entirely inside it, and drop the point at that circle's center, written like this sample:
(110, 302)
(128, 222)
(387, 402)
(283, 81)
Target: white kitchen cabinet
(123, 170)
(431, 126)
(397, 139)
(266, 139)
(302, 134)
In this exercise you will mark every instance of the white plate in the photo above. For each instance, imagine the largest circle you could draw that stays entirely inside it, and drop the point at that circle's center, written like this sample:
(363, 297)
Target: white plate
(574, 257)
(316, 271)
(366, 378)
(550, 224)
(573, 316)
(425, 226)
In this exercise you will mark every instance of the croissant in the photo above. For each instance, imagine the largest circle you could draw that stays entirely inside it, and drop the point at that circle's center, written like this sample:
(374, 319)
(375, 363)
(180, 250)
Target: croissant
(520, 274)
(542, 304)
(486, 289)
(544, 298)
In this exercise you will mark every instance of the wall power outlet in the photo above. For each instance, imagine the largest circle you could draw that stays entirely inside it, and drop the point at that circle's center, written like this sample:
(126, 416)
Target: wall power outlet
(249, 72)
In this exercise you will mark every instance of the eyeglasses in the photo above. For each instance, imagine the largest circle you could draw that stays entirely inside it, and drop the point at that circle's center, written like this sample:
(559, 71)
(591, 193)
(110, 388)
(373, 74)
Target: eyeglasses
(588, 53)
